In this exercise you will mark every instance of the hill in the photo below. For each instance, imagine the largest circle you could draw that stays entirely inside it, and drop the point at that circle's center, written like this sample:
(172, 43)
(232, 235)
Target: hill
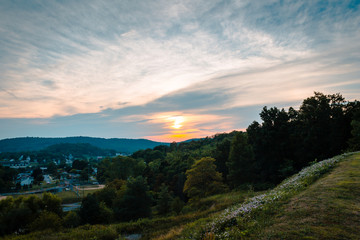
(328, 209)
(312, 204)
(36, 143)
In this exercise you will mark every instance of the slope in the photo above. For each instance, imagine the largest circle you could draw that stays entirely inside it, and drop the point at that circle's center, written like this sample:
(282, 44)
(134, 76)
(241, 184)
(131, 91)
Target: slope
(328, 209)
(301, 207)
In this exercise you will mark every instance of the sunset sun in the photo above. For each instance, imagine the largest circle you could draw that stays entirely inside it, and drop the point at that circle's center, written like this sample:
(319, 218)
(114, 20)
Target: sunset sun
(178, 122)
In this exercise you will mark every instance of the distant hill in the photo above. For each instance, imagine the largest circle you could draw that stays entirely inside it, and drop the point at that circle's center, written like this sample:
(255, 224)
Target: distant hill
(121, 145)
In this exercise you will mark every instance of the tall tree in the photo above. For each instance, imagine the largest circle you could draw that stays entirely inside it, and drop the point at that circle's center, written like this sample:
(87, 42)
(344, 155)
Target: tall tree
(221, 154)
(324, 126)
(241, 163)
(271, 143)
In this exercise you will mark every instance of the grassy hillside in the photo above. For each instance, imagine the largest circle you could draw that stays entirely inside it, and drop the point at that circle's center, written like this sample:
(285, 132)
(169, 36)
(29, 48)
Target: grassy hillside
(302, 207)
(328, 209)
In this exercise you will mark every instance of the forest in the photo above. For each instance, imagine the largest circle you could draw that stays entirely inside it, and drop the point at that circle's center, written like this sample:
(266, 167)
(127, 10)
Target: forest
(170, 180)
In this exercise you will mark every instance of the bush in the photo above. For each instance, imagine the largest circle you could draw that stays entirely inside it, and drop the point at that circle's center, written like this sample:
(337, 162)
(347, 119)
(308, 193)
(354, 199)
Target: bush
(71, 220)
(46, 220)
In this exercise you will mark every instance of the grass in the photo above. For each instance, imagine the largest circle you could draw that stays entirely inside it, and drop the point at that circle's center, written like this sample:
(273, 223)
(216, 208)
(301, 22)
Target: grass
(68, 197)
(169, 227)
(328, 209)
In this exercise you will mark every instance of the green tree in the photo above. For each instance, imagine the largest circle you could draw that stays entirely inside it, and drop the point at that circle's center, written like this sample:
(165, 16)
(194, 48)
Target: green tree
(52, 203)
(79, 164)
(46, 220)
(71, 220)
(37, 175)
(84, 174)
(7, 176)
(107, 195)
(164, 200)
(203, 180)
(177, 205)
(324, 126)
(241, 163)
(120, 167)
(135, 203)
(52, 169)
(90, 209)
(354, 142)
(221, 154)
(106, 214)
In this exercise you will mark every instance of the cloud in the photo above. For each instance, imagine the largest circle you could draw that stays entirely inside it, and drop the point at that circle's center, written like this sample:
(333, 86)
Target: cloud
(121, 62)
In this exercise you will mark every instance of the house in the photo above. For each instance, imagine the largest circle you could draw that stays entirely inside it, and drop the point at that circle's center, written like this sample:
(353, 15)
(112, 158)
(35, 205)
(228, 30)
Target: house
(15, 164)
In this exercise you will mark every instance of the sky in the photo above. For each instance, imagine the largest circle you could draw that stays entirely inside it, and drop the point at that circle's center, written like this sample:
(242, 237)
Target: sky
(168, 70)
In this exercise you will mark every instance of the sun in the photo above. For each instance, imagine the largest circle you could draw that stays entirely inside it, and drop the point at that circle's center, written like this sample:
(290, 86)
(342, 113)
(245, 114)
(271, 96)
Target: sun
(178, 122)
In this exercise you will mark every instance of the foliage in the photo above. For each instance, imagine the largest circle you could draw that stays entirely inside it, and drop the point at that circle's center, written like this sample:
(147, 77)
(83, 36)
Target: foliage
(71, 220)
(37, 174)
(46, 220)
(241, 162)
(17, 215)
(136, 201)
(119, 168)
(221, 154)
(52, 203)
(164, 201)
(203, 180)
(90, 209)
(6, 178)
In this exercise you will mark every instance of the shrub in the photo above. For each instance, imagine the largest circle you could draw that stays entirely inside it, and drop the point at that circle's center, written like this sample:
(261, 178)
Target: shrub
(71, 220)
(46, 220)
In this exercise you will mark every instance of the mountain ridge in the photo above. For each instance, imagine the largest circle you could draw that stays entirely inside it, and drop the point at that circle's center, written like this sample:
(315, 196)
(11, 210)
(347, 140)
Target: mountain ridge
(123, 145)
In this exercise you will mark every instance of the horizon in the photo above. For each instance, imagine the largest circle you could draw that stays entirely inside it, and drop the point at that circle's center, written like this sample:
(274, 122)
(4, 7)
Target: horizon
(168, 71)
(97, 137)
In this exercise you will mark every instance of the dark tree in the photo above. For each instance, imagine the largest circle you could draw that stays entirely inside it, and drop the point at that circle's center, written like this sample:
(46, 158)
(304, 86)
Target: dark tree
(221, 154)
(37, 175)
(79, 164)
(241, 164)
(136, 201)
(90, 210)
(164, 200)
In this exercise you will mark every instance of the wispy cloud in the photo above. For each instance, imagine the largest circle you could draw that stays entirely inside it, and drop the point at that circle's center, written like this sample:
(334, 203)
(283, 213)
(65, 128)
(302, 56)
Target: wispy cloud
(194, 58)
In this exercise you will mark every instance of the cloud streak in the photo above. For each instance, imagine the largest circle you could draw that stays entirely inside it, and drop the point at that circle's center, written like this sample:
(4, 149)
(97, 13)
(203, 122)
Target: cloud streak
(193, 58)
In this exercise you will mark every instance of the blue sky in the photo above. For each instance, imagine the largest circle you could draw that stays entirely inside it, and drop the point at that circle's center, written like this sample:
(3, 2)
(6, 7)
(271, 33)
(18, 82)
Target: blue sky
(168, 70)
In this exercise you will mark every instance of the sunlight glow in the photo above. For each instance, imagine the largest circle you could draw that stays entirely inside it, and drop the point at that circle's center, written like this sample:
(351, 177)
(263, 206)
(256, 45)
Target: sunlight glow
(178, 120)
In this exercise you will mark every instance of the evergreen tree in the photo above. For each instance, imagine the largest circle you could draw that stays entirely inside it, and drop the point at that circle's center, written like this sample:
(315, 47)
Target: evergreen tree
(241, 163)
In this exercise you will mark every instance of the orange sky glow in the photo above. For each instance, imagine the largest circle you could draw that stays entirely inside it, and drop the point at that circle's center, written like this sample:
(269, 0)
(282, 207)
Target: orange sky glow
(183, 126)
